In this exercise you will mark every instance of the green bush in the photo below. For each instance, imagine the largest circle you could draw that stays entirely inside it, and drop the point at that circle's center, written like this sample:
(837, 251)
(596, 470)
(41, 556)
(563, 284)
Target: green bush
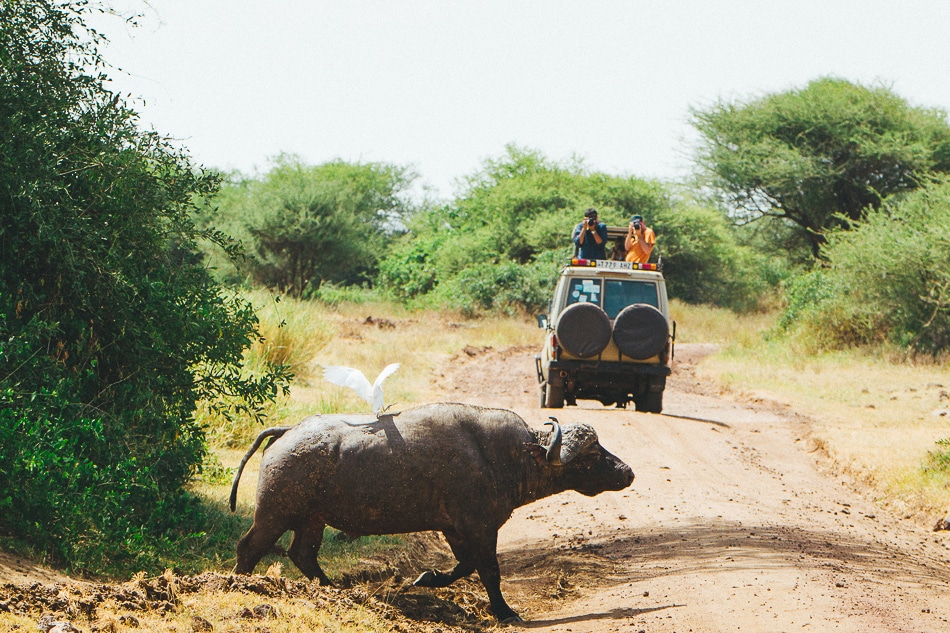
(813, 159)
(506, 288)
(703, 263)
(110, 331)
(886, 279)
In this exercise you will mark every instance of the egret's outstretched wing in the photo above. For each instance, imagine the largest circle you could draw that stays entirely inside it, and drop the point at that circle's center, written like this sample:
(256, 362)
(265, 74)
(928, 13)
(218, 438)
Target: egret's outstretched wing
(352, 378)
(378, 401)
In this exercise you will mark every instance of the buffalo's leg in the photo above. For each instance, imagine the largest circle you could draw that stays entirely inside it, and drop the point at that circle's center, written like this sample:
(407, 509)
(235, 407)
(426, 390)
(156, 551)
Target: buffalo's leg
(303, 550)
(253, 545)
(486, 562)
(465, 566)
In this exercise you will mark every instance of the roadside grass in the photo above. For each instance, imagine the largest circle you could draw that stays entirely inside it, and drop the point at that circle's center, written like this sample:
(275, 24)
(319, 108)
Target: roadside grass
(877, 413)
(225, 611)
(707, 324)
(310, 335)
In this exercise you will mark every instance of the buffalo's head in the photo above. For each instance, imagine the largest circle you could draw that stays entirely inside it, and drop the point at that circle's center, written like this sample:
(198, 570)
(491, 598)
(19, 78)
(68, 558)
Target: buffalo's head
(578, 458)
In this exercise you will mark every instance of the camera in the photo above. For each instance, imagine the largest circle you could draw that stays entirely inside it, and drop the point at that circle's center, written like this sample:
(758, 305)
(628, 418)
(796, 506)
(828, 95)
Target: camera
(591, 221)
(636, 225)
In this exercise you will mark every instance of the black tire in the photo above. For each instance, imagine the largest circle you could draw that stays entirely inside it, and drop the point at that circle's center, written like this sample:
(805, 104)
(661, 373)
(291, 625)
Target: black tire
(583, 329)
(553, 397)
(641, 331)
(651, 402)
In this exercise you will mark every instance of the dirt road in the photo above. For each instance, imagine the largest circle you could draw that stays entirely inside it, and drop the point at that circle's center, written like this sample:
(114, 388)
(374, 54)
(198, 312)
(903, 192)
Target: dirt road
(731, 524)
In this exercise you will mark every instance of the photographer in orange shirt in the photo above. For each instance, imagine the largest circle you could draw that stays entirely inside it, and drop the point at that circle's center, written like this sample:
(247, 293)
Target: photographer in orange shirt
(639, 241)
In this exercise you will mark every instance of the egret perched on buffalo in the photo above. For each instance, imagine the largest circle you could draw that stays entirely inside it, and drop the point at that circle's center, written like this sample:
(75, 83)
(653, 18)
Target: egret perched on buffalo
(355, 380)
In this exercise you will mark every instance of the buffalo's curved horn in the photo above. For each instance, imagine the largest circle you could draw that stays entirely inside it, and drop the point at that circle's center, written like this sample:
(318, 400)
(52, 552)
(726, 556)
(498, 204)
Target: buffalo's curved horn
(553, 450)
(579, 437)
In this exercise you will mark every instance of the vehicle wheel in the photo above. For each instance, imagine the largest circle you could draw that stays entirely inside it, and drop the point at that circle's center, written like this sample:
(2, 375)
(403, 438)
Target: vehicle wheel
(583, 329)
(641, 331)
(651, 402)
(553, 397)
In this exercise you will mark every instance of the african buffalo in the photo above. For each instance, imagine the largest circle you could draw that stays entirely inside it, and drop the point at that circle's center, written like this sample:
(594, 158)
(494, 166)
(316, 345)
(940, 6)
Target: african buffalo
(455, 468)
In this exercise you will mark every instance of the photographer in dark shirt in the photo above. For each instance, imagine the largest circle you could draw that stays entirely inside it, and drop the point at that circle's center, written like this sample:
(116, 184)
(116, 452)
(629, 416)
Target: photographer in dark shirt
(590, 236)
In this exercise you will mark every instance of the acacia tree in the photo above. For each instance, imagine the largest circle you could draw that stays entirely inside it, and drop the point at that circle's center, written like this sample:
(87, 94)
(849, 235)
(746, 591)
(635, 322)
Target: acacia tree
(308, 224)
(817, 157)
(108, 336)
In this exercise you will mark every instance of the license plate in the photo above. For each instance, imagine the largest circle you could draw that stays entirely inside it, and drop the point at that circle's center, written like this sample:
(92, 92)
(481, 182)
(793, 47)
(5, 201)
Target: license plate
(614, 264)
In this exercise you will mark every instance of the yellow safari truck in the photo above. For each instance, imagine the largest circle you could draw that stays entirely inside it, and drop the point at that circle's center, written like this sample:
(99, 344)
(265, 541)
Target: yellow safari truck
(608, 336)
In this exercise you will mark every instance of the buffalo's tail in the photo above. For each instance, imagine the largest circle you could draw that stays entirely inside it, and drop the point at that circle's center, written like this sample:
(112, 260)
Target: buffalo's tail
(274, 433)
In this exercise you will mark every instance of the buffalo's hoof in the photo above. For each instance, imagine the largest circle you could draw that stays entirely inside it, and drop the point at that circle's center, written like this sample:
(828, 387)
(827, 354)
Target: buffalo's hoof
(514, 618)
(426, 579)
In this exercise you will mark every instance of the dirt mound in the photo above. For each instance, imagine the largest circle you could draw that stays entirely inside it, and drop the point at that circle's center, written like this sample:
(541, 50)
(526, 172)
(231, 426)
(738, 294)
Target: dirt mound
(383, 586)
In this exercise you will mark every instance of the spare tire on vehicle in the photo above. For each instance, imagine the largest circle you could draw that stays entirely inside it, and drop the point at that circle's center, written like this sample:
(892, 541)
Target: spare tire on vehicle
(583, 329)
(641, 331)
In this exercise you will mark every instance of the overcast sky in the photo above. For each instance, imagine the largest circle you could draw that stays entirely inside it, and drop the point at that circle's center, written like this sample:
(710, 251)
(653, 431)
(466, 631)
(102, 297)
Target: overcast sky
(442, 85)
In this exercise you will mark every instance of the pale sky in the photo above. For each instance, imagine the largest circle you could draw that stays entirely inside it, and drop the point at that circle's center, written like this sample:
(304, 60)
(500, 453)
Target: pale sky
(441, 85)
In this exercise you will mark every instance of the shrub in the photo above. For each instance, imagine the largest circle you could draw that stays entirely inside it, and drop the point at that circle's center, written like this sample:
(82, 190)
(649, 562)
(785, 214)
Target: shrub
(506, 288)
(886, 279)
(110, 331)
(703, 262)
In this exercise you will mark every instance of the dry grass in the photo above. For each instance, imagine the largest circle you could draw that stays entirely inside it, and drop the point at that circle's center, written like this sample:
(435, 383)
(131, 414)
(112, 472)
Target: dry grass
(208, 602)
(707, 324)
(877, 414)
(367, 337)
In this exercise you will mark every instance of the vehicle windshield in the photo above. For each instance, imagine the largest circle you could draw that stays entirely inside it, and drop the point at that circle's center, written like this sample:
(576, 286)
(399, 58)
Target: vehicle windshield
(614, 295)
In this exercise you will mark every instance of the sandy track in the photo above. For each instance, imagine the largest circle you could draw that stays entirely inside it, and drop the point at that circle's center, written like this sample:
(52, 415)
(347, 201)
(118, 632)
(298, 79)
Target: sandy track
(731, 524)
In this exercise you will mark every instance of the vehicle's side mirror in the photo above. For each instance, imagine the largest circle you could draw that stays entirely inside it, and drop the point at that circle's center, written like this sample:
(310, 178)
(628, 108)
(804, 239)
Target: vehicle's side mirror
(543, 321)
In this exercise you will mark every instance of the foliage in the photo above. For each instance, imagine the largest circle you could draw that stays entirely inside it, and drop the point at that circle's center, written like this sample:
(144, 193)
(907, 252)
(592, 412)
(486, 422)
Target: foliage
(816, 158)
(703, 262)
(506, 288)
(887, 279)
(499, 245)
(312, 224)
(938, 460)
(109, 332)
(293, 332)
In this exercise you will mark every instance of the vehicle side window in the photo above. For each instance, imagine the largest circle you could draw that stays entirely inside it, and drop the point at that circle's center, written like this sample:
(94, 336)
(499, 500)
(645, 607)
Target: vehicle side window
(583, 291)
(619, 294)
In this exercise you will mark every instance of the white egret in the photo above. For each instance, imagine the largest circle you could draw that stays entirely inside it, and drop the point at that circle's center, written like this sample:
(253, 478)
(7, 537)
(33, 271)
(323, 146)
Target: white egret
(355, 380)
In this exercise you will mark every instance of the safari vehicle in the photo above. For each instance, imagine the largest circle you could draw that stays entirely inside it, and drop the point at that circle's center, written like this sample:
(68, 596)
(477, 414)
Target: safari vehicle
(608, 336)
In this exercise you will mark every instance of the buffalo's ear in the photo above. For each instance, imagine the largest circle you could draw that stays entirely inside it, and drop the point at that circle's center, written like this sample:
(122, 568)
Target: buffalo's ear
(536, 451)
